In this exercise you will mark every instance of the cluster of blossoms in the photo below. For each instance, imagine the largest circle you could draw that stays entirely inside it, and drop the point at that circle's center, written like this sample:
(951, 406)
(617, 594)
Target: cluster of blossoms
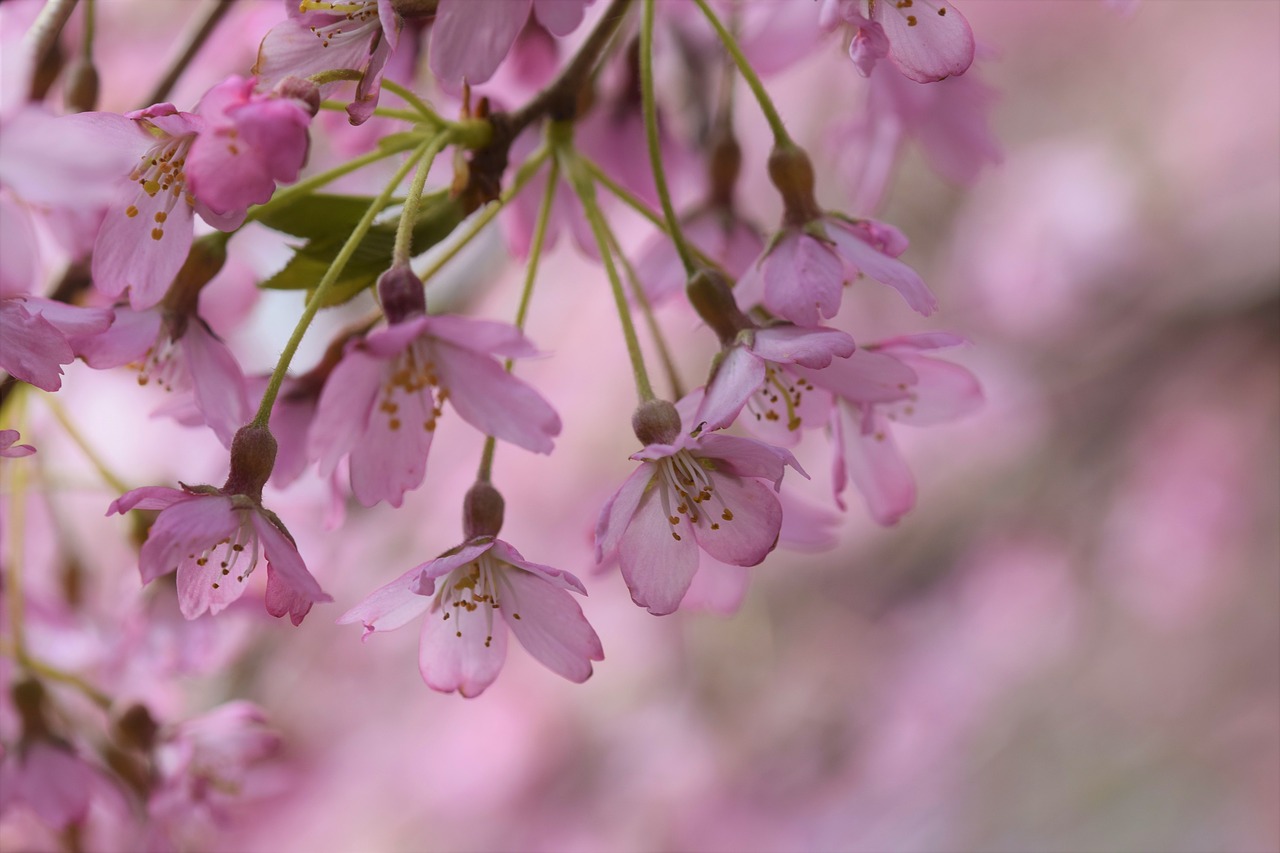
(150, 198)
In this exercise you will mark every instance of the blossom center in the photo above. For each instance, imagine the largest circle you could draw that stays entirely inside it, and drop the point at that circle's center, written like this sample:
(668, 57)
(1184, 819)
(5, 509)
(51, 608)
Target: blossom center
(163, 362)
(686, 489)
(159, 174)
(413, 373)
(778, 397)
(354, 18)
(235, 556)
(473, 588)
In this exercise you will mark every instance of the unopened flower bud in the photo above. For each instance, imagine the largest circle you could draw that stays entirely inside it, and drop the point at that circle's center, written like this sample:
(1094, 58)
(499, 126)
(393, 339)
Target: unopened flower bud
(81, 88)
(299, 89)
(401, 295)
(791, 172)
(656, 422)
(253, 455)
(482, 511)
(710, 295)
(136, 728)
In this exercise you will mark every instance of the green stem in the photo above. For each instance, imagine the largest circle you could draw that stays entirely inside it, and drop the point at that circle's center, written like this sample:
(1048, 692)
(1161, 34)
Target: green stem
(526, 294)
(409, 215)
(420, 106)
(646, 309)
(330, 276)
(90, 25)
(288, 195)
(637, 204)
(383, 112)
(477, 223)
(17, 475)
(780, 135)
(586, 190)
(651, 134)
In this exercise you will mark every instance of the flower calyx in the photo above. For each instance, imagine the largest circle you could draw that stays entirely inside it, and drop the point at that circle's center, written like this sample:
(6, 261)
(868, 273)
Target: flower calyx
(482, 511)
(400, 292)
(656, 422)
(711, 296)
(791, 172)
(253, 455)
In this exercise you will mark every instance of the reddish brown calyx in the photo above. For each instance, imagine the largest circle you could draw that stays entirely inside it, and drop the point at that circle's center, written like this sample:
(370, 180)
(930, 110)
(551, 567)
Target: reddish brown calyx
(656, 422)
(482, 511)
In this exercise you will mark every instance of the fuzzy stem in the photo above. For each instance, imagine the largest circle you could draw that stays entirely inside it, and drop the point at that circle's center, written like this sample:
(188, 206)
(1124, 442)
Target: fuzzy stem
(586, 190)
(420, 106)
(348, 249)
(780, 135)
(651, 134)
(409, 215)
(381, 112)
(194, 42)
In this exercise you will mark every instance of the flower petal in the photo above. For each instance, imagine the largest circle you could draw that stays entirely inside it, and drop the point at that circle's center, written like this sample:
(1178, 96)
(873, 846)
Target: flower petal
(290, 587)
(739, 525)
(389, 606)
(815, 347)
(495, 402)
(549, 624)
(739, 374)
(464, 652)
(616, 514)
(658, 559)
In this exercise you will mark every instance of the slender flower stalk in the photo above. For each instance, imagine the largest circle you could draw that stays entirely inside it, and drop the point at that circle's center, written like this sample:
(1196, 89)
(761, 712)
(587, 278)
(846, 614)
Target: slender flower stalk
(331, 275)
(586, 190)
(780, 135)
(409, 215)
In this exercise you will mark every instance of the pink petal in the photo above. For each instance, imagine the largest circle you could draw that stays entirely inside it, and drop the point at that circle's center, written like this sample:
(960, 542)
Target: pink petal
(550, 625)
(872, 263)
(469, 40)
(148, 497)
(432, 570)
(217, 381)
(344, 408)
(481, 336)
(943, 392)
(878, 470)
(616, 514)
(54, 783)
(290, 587)
(658, 559)
(558, 578)
(930, 40)
(291, 48)
(389, 606)
(866, 376)
(128, 255)
(72, 321)
(739, 374)
(560, 17)
(390, 457)
(495, 402)
(747, 457)
(68, 160)
(740, 524)
(10, 449)
(814, 347)
(31, 349)
(803, 280)
(464, 663)
(717, 587)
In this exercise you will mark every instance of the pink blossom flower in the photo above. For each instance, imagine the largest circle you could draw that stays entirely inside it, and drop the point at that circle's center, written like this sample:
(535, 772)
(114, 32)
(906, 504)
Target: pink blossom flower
(381, 403)
(469, 40)
(324, 36)
(691, 492)
(751, 373)
(37, 336)
(464, 643)
(250, 142)
(212, 537)
(178, 353)
(928, 40)
(886, 383)
(801, 275)
(10, 448)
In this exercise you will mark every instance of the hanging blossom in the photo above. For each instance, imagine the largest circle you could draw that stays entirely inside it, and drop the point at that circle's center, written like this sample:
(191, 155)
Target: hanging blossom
(216, 161)
(212, 537)
(890, 382)
(801, 274)
(469, 40)
(691, 492)
(38, 336)
(380, 405)
(927, 40)
(472, 595)
(173, 348)
(328, 36)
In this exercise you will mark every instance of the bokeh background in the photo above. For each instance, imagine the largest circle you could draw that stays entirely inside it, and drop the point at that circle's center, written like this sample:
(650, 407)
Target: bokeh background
(1073, 642)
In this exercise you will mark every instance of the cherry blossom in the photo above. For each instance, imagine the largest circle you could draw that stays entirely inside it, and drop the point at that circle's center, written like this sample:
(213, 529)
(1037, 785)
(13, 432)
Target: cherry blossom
(691, 492)
(469, 40)
(38, 336)
(928, 40)
(212, 537)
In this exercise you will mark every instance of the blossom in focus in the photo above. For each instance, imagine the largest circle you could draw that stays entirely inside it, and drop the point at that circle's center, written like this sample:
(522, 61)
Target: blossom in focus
(212, 537)
(472, 594)
(751, 373)
(381, 403)
(928, 40)
(326, 36)
(469, 40)
(10, 448)
(903, 386)
(703, 492)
